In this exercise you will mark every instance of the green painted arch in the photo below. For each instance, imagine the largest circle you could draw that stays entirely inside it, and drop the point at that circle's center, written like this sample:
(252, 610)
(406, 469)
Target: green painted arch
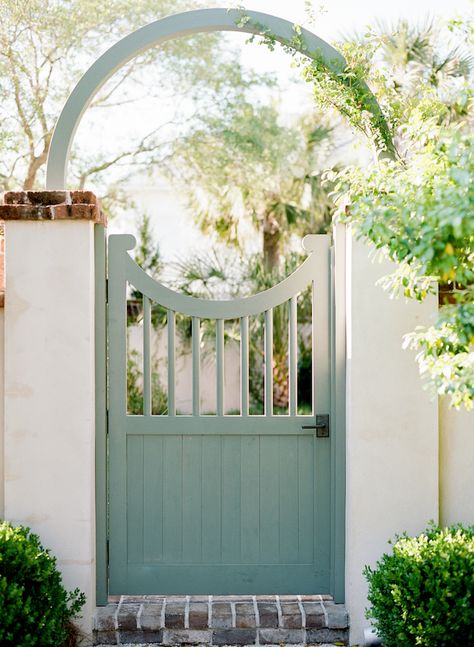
(158, 32)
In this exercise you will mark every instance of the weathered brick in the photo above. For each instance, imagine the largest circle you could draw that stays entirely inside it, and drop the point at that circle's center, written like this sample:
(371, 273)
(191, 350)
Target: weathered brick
(198, 615)
(277, 636)
(150, 617)
(186, 636)
(127, 616)
(174, 615)
(327, 635)
(221, 615)
(291, 615)
(105, 638)
(245, 615)
(315, 617)
(104, 619)
(51, 205)
(337, 615)
(131, 636)
(268, 613)
(234, 636)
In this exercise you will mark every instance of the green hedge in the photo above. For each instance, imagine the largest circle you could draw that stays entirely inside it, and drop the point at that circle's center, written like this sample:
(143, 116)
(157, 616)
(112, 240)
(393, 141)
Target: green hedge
(422, 594)
(35, 609)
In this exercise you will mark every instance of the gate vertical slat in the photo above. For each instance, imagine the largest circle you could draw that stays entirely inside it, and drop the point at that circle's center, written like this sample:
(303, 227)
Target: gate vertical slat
(147, 405)
(293, 357)
(196, 353)
(244, 366)
(171, 320)
(269, 362)
(219, 367)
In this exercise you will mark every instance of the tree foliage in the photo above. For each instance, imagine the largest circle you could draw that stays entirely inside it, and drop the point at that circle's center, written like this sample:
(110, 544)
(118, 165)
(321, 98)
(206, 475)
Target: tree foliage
(46, 46)
(246, 166)
(416, 208)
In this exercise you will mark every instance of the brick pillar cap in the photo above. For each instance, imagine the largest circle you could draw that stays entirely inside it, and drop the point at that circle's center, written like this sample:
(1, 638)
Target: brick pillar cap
(51, 205)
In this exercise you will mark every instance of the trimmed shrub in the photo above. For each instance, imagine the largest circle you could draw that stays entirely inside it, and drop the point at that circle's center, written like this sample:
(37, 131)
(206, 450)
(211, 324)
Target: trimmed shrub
(35, 609)
(423, 593)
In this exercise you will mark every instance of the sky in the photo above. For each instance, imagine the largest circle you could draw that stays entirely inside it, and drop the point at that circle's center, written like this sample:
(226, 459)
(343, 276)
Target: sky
(331, 21)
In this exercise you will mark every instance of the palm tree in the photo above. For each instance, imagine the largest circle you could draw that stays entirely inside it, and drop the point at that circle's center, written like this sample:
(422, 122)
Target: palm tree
(247, 167)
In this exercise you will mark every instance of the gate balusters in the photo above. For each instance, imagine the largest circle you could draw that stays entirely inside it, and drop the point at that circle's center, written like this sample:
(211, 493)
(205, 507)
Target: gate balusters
(269, 362)
(196, 353)
(171, 319)
(244, 366)
(293, 357)
(219, 367)
(146, 357)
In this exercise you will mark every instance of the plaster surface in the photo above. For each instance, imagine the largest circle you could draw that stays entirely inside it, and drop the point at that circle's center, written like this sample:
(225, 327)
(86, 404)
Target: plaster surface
(456, 465)
(392, 426)
(49, 392)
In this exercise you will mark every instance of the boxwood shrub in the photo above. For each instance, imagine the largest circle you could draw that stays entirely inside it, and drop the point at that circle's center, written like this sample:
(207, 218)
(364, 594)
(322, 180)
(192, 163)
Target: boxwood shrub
(422, 594)
(35, 609)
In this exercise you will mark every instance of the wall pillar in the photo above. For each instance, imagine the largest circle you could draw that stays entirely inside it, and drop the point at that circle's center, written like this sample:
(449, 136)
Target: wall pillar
(392, 426)
(456, 447)
(50, 376)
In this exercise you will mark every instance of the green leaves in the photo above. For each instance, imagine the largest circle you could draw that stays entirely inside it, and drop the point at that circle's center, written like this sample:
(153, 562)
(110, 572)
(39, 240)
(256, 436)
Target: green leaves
(35, 607)
(423, 592)
(420, 215)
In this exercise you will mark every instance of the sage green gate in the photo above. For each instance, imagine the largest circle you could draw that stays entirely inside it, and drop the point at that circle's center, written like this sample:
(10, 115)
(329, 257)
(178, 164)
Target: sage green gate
(220, 504)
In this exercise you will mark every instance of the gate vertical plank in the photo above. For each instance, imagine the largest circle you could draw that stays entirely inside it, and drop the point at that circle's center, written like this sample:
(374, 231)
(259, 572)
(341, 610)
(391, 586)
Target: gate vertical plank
(147, 404)
(192, 499)
(231, 498)
(269, 362)
(289, 500)
(306, 499)
(211, 499)
(173, 498)
(269, 500)
(250, 499)
(153, 498)
(135, 518)
(171, 320)
(219, 367)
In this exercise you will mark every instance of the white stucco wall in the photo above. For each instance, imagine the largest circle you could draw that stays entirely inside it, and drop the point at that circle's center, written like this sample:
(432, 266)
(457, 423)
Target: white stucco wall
(49, 392)
(392, 427)
(456, 465)
(2, 412)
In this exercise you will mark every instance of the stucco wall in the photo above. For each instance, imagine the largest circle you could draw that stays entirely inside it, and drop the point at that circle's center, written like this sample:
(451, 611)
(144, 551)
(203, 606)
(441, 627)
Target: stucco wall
(2, 412)
(392, 433)
(456, 465)
(49, 391)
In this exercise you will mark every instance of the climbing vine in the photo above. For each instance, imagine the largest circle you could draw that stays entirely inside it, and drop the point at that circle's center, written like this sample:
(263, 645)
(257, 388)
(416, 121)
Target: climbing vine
(414, 202)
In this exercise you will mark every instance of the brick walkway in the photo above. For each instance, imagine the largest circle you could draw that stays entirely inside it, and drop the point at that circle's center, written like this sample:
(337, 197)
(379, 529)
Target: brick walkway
(221, 620)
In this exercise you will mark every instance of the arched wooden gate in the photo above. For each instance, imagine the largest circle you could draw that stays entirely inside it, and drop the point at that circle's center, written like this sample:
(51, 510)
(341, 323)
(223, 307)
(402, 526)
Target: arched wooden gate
(219, 503)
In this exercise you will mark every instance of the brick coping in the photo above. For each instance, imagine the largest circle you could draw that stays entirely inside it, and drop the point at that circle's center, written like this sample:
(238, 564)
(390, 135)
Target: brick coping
(51, 205)
(221, 620)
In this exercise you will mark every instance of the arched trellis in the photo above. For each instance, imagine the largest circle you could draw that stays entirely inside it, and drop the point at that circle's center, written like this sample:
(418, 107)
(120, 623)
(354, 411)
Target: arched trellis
(157, 33)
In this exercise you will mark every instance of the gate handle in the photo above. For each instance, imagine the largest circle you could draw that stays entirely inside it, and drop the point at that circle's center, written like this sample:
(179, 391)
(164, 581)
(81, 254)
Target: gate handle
(321, 427)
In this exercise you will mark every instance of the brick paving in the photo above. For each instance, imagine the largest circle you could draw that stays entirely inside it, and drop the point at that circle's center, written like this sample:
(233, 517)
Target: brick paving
(221, 620)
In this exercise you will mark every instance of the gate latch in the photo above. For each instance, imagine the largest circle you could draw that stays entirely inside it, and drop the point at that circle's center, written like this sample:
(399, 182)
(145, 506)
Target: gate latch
(321, 426)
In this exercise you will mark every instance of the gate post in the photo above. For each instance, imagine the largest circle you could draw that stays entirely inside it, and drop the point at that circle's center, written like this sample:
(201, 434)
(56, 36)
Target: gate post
(50, 376)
